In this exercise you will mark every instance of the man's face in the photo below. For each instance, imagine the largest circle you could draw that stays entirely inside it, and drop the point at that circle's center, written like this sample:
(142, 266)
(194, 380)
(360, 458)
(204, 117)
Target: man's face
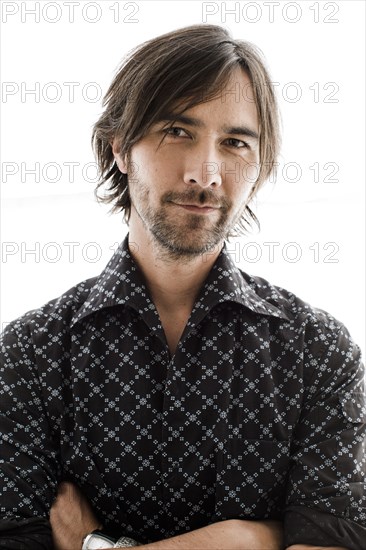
(188, 191)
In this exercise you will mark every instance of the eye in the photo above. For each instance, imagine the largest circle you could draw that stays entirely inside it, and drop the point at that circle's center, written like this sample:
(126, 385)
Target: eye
(175, 131)
(237, 143)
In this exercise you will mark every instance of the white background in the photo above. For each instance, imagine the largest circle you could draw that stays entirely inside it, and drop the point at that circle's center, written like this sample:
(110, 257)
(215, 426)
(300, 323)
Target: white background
(315, 52)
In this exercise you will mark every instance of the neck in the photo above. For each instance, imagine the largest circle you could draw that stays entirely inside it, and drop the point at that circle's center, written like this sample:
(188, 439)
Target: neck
(174, 284)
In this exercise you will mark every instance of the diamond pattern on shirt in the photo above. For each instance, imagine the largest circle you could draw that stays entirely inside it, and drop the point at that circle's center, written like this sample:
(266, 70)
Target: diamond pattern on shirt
(259, 413)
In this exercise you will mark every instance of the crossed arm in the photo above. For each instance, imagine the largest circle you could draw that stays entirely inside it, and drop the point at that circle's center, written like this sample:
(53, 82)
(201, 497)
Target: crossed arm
(72, 518)
(71, 521)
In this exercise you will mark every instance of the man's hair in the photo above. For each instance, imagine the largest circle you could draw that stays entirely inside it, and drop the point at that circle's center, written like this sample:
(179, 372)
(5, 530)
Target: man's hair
(185, 67)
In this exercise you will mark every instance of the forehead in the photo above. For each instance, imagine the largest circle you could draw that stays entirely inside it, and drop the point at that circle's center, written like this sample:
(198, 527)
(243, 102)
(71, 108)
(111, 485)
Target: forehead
(232, 102)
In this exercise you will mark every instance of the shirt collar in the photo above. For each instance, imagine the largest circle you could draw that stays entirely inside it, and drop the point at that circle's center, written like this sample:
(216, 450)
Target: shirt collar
(122, 283)
(226, 282)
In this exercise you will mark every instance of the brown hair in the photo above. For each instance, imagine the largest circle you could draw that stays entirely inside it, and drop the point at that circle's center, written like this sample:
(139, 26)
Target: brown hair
(192, 64)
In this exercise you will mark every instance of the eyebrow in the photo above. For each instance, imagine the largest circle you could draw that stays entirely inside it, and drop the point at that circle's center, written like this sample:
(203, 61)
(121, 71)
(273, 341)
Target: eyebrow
(190, 121)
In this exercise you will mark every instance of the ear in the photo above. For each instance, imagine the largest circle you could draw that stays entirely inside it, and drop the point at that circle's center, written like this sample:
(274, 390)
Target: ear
(120, 160)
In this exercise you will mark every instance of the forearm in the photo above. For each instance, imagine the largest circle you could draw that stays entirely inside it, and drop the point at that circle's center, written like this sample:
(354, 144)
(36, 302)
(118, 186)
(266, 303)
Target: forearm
(234, 535)
(72, 518)
(227, 535)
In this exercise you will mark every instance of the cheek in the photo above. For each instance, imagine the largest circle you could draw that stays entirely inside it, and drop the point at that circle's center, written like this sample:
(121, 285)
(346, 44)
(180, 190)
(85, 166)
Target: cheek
(166, 170)
(241, 180)
(250, 173)
(141, 171)
(157, 165)
(251, 168)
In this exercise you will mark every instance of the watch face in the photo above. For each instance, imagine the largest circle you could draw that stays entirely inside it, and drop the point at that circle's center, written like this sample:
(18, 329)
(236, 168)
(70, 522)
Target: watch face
(98, 541)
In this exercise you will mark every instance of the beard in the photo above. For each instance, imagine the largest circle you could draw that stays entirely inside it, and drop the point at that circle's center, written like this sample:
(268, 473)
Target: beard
(187, 235)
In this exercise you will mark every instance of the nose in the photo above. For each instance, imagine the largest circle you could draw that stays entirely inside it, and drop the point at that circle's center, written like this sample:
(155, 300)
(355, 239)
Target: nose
(203, 166)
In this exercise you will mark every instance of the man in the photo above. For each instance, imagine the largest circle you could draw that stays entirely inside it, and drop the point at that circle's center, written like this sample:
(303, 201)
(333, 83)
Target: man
(175, 401)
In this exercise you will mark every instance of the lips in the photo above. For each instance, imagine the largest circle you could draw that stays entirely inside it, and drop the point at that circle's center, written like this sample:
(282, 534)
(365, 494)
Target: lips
(198, 210)
(200, 206)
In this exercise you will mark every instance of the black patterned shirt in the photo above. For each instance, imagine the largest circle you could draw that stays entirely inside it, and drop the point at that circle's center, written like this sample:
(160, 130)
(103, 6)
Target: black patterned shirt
(259, 414)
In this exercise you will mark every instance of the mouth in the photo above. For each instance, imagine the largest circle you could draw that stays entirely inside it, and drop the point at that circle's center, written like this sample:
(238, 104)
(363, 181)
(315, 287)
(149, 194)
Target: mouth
(197, 209)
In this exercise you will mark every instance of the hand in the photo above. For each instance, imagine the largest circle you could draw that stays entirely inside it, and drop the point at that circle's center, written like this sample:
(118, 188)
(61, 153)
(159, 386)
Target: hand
(71, 517)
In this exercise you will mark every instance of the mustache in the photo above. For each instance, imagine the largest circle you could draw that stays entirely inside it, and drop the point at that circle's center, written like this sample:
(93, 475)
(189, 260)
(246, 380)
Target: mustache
(201, 198)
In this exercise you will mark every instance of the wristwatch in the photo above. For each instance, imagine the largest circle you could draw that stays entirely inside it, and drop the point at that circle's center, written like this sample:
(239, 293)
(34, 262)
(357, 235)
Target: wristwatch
(99, 539)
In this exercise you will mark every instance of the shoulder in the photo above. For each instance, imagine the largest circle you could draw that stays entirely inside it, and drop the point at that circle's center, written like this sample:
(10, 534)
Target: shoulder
(313, 337)
(53, 316)
(305, 321)
(290, 303)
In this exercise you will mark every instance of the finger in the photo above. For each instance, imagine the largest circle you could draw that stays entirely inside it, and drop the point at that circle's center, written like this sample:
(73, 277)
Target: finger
(69, 491)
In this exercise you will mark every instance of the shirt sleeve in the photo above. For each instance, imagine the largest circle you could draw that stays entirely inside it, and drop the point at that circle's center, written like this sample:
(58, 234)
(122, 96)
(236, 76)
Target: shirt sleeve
(29, 465)
(326, 501)
(25, 534)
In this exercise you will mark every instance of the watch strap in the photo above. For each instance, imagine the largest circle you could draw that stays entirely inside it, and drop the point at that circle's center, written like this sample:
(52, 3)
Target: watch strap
(126, 542)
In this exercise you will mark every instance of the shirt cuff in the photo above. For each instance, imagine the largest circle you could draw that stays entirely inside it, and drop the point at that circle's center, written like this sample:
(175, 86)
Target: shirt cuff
(17, 533)
(304, 525)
